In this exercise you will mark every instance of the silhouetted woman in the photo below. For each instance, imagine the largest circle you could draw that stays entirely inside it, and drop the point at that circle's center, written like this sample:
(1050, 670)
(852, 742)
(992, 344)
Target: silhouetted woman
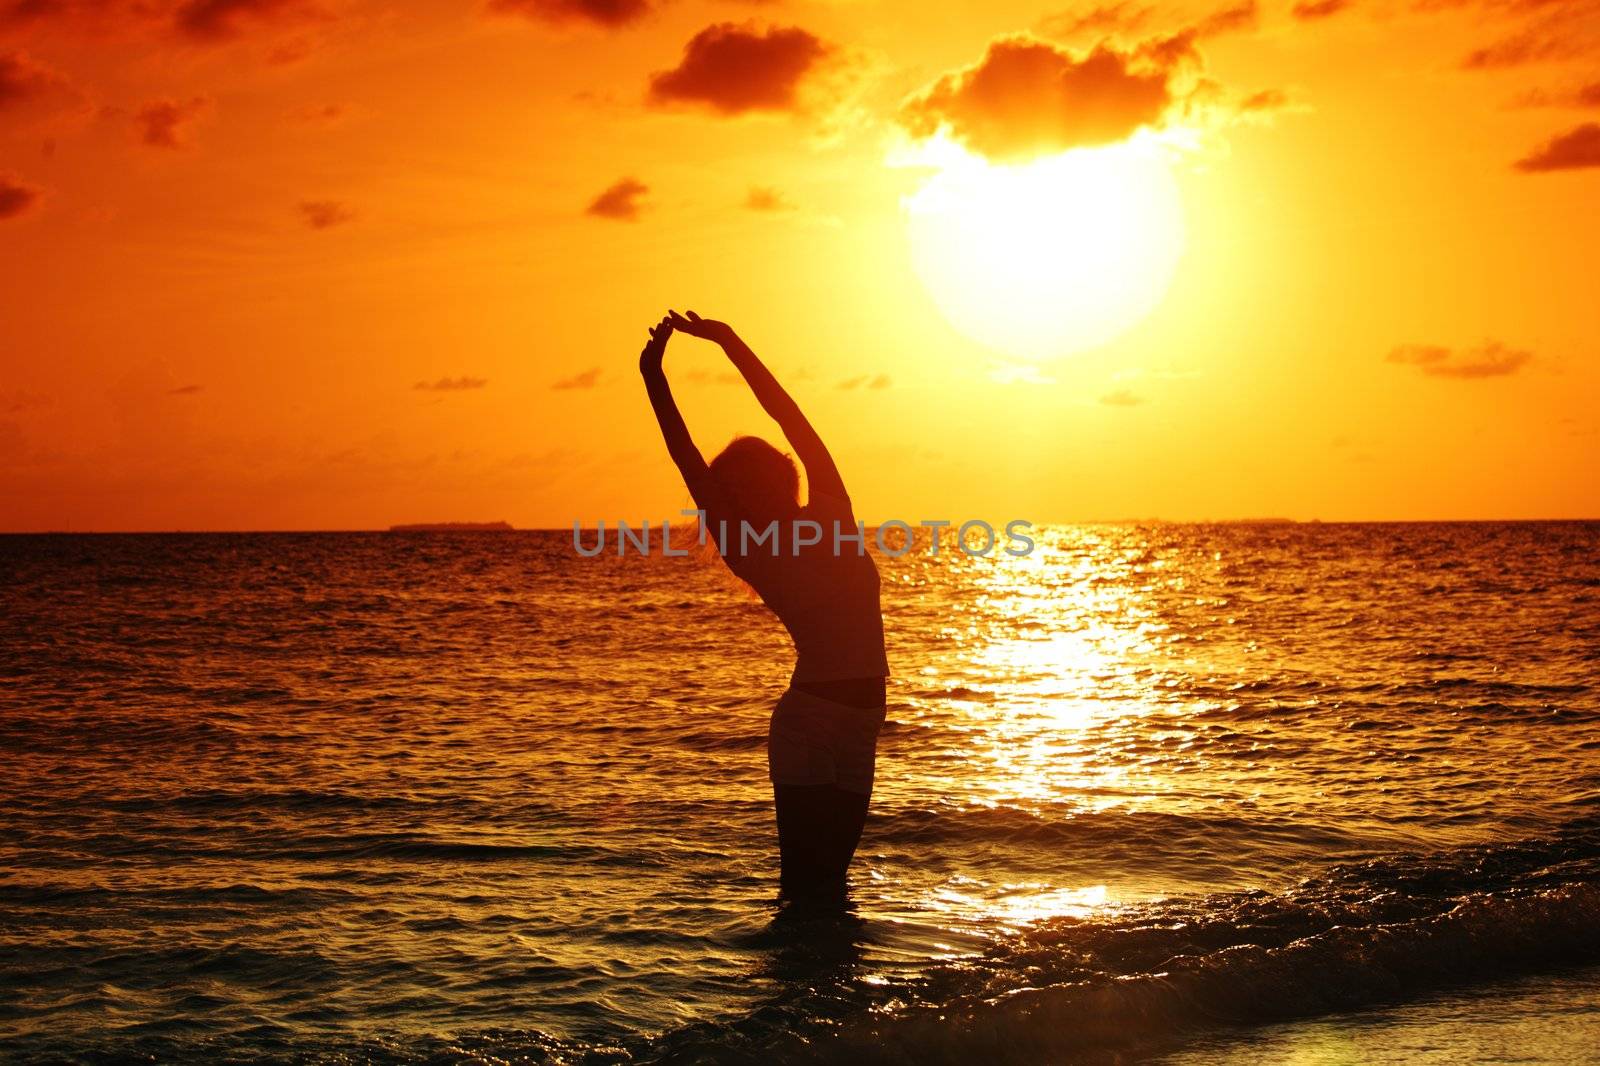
(820, 581)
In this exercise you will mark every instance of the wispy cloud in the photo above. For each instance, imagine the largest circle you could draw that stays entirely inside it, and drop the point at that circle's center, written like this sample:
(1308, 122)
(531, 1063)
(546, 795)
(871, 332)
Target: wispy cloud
(868, 381)
(765, 198)
(588, 379)
(621, 201)
(30, 89)
(185, 390)
(325, 214)
(1122, 398)
(1318, 9)
(224, 20)
(167, 123)
(1123, 17)
(1490, 360)
(460, 384)
(607, 13)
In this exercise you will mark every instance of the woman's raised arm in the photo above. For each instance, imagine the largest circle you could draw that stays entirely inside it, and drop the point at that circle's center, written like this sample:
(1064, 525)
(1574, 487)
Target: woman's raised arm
(680, 445)
(821, 474)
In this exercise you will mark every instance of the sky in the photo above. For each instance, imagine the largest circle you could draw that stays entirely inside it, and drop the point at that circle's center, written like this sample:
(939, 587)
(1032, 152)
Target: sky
(337, 264)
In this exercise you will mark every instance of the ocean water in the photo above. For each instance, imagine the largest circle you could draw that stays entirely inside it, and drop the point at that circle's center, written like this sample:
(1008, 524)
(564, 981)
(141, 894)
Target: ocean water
(470, 797)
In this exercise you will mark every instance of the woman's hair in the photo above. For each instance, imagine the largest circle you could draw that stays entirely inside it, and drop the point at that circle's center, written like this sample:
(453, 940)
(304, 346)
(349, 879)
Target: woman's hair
(760, 482)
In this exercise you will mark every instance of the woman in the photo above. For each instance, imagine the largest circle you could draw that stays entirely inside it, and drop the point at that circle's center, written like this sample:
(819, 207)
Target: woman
(818, 578)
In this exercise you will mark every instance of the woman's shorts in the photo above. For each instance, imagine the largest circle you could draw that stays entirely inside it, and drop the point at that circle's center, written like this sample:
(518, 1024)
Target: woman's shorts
(813, 741)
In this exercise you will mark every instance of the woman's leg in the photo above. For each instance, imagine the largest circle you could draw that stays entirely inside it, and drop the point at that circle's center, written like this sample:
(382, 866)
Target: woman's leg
(819, 827)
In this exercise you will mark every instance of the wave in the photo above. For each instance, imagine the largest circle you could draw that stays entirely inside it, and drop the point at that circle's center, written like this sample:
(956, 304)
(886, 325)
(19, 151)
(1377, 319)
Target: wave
(1147, 976)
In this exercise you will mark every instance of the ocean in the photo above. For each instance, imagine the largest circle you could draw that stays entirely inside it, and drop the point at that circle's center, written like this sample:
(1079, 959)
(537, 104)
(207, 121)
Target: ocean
(1206, 793)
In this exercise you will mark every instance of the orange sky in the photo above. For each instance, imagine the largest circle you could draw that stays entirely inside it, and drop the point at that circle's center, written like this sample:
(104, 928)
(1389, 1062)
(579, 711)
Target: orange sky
(270, 264)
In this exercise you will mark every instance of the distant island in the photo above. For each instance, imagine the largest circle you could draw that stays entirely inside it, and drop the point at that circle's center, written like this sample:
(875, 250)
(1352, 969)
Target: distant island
(453, 527)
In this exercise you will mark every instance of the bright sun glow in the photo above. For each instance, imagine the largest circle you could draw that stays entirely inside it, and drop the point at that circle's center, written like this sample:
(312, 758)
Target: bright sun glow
(1051, 257)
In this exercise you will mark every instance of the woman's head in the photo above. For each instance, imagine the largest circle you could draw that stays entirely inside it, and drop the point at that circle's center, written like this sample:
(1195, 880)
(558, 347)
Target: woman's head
(761, 482)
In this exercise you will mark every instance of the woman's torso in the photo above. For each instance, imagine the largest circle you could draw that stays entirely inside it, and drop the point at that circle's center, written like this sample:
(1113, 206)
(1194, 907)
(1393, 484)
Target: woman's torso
(827, 597)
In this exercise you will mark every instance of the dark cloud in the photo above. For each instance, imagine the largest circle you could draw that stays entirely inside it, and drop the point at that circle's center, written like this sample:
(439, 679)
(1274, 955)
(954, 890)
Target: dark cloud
(1491, 360)
(1124, 17)
(1028, 98)
(165, 123)
(197, 21)
(621, 201)
(325, 214)
(609, 13)
(1319, 9)
(1121, 398)
(1578, 147)
(28, 13)
(733, 69)
(461, 384)
(764, 198)
(588, 379)
(185, 390)
(29, 87)
(223, 20)
(15, 197)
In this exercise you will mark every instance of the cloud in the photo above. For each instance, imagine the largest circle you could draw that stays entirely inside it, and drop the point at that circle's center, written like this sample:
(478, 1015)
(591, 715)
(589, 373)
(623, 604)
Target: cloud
(588, 379)
(1241, 16)
(733, 69)
(1125, 17)
(1490, 360)
(185, 390)
(608, 13)
(1121, 398)
(1319, 9)
(165, 123)
(1582, 96)
(30, 88)
(325, 214)
(223, 20)
(881, 381)
(206, 22)
(621, 201)
(1523, 48)
(461, 384)
(1265, 100)
(1027, 98)
(1579, 147)
(15, 197)
(764, 198)
(20, 400)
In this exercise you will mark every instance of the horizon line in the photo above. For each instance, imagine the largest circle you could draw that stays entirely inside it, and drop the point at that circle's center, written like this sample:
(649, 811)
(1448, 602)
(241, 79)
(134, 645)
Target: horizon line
(179, 531)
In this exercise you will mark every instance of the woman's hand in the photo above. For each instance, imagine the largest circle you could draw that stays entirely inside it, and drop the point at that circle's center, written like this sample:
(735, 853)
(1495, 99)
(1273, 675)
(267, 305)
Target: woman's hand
(655, 347)
(704, 328)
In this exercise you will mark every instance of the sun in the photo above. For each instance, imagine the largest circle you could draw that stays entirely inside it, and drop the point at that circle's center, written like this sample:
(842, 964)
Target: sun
(1049, 257)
